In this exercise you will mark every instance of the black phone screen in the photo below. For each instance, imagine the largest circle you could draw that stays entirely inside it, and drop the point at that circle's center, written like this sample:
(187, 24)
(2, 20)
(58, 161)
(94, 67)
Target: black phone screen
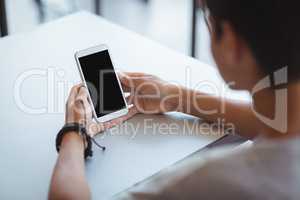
(102, 83)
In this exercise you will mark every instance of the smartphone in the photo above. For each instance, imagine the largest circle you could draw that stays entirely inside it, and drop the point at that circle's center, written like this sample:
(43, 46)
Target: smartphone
(98, 75)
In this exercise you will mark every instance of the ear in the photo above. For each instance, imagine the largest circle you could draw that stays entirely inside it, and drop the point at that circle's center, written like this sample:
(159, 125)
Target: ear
(232, 43)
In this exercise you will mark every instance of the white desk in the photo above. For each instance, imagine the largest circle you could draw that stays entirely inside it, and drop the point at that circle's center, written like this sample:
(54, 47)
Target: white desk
(27, 140)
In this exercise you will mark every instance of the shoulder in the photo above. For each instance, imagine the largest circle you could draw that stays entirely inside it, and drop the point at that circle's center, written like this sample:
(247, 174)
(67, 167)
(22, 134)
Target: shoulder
(267, 170)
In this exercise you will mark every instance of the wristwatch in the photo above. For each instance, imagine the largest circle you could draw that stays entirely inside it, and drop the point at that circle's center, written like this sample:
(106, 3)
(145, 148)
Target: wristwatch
(81, 130)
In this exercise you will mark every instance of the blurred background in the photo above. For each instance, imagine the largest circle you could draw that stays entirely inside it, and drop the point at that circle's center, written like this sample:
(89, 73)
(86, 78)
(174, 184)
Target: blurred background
(177, 24)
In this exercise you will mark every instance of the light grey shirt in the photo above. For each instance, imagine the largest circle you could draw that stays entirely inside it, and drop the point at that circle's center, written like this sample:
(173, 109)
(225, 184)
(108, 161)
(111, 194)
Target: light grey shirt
(266, 170)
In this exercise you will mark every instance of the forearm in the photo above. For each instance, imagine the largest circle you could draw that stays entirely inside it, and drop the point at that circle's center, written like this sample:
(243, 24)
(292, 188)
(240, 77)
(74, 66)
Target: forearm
(68, 180)
(212, 108)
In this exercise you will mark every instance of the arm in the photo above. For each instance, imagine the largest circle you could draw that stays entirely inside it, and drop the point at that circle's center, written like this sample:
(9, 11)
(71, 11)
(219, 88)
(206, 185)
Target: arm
(151, 95)
(237, 112)
(68, 181)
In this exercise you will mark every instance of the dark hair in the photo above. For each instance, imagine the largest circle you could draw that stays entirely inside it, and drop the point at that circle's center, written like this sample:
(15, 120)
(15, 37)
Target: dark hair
(271, 28)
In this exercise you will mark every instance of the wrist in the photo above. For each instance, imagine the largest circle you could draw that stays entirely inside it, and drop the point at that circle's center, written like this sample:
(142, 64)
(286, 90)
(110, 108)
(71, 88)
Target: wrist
(77, 139)
(73, 140)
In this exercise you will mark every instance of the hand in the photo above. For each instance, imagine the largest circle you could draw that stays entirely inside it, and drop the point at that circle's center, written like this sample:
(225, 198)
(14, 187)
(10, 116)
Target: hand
(150, 94)
(79, 110)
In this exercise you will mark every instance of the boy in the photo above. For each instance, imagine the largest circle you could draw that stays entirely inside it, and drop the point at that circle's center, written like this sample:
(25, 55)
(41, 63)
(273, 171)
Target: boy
(255, 44)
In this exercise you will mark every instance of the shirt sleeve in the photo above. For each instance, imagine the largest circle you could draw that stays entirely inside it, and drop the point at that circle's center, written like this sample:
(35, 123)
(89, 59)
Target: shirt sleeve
(195, 178)
(259, 172)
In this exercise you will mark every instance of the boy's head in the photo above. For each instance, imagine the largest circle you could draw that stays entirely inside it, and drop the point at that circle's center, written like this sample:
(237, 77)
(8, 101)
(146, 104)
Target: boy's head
(251, 39)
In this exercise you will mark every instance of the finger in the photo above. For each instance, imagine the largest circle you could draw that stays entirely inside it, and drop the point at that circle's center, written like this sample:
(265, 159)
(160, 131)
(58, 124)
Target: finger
(133, 80)
(126, 82)
(107, 125)
(126, 88)
(82, 92)
(134, 74)
(88, 111)
(74, 92)
(124, 79)
(81, 98)
(127, 76)
(130, 99)
(84, 105)
(94, 128)
(131, 112)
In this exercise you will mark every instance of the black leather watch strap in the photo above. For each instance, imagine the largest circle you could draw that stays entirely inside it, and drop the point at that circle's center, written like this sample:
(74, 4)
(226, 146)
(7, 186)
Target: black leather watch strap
(81, 130)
